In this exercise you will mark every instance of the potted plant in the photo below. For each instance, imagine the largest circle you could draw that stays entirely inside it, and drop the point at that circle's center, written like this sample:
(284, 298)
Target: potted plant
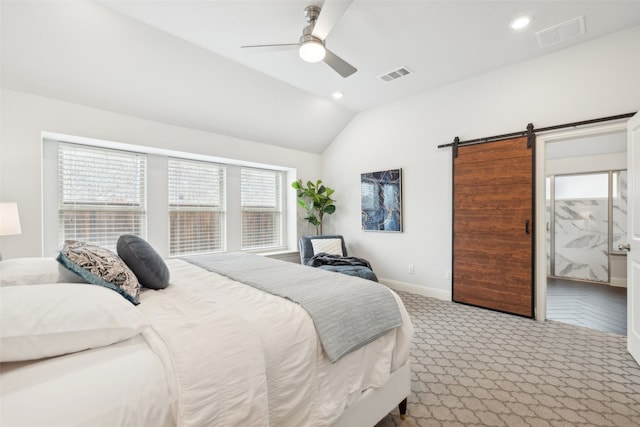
(316, 200)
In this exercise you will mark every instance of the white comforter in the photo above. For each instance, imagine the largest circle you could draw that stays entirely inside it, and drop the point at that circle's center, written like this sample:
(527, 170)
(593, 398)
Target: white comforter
(239, 356)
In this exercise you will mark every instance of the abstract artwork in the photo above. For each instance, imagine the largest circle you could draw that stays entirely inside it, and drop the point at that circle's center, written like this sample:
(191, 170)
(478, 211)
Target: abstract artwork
(381, 200)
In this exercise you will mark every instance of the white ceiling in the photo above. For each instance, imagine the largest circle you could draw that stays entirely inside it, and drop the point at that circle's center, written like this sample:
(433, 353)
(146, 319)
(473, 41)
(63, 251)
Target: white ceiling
(440, 41)
(180, 62)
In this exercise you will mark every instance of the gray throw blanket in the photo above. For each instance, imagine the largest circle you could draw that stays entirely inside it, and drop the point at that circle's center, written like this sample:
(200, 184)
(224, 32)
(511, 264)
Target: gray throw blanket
(348, 312)
(324, 258)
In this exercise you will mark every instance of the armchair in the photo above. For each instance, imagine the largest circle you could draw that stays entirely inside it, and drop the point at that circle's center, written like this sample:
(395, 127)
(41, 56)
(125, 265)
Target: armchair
(336, 259)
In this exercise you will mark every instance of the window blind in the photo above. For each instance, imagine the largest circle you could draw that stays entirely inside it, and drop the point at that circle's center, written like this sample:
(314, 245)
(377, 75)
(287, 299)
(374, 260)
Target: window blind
(101, 194)
(196, 207)
(261, 200)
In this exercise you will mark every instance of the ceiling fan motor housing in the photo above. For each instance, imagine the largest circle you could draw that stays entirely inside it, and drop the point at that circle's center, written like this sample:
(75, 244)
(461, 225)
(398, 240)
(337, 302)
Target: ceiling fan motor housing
(307, 36)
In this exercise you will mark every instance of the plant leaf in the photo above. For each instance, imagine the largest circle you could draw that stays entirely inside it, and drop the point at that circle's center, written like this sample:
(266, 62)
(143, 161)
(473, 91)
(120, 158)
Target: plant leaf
(316, 200)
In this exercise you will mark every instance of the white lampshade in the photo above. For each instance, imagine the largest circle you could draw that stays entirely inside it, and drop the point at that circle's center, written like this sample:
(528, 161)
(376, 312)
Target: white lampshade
(312, 51)
(9, 219)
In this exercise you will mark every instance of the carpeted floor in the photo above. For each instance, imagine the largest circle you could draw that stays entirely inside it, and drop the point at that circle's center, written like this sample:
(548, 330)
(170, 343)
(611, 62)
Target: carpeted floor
(475, 367)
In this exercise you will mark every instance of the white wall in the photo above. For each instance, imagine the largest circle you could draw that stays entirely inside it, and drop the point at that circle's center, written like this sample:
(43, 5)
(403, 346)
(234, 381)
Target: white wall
(592, 80)
(24, 117)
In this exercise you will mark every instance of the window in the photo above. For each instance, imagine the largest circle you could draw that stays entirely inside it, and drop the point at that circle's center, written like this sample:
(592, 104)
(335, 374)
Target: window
(587, 221)
(196, 207)
(261, 200)
(101, 194)
(582, 186)
(182, 203)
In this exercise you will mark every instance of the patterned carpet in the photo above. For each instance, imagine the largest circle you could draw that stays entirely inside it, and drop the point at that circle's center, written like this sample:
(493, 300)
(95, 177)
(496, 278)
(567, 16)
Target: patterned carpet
(475, 367)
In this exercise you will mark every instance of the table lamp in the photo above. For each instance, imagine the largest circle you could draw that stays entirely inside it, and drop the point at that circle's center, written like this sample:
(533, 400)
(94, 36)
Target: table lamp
(9, 220)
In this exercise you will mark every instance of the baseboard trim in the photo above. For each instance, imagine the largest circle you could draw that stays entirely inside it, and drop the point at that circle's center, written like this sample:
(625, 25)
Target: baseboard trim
(290, 256)
(416, 289)
(620, 282)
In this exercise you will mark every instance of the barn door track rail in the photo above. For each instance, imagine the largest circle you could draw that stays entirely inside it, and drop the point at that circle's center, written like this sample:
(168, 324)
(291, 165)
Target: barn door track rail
(530, 133)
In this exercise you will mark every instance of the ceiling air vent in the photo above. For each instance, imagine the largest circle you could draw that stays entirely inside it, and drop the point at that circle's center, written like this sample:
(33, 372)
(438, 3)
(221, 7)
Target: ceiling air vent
(395, 74)
(561, 32)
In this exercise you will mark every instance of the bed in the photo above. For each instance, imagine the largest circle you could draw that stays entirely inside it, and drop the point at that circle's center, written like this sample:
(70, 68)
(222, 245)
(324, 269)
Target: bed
(207, 350)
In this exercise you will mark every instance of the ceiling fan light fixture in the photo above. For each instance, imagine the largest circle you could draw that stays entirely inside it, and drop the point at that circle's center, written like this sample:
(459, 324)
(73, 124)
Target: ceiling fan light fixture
(312, 51)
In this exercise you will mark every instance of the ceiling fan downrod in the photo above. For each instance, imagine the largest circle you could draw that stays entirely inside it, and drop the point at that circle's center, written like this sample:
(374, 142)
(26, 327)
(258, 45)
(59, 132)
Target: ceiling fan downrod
(311, 13)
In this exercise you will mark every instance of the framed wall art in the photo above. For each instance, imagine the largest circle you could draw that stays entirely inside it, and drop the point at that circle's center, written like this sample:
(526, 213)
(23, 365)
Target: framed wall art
(381, 200)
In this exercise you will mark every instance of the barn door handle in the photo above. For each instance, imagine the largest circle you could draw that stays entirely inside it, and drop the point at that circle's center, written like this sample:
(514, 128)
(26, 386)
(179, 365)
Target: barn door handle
(526, 226)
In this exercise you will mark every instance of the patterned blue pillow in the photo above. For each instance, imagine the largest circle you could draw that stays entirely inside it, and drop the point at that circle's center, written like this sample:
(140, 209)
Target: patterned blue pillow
(100, 266)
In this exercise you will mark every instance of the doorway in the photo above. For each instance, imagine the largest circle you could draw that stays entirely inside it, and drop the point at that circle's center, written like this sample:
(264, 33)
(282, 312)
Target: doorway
(588, 168)
(586, 221)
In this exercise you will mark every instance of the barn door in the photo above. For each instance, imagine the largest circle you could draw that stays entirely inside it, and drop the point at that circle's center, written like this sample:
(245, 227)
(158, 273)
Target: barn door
(493, 226)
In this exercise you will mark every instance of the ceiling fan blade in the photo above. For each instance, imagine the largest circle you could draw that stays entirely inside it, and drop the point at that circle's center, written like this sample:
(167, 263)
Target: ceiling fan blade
(330, 14)
(338, 64)
(271, 45)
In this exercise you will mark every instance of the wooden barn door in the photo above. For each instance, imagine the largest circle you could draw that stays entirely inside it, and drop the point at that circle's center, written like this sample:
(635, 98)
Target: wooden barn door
(493, 226)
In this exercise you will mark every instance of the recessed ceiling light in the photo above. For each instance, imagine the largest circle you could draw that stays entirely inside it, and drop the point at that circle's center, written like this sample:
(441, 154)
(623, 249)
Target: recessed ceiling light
(337, 95)
(520, 22)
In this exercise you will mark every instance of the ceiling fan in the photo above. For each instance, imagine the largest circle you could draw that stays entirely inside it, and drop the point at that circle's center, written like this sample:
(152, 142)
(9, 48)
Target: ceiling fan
(311, 46)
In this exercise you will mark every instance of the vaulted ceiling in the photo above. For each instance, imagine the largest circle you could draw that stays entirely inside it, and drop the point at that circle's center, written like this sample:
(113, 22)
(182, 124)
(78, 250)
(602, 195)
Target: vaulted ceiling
(180, 62)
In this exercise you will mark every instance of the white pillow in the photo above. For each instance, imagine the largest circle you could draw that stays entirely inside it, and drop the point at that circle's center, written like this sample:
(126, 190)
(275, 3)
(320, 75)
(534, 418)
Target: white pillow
(33, 271)
(43, 321)
(329, 246)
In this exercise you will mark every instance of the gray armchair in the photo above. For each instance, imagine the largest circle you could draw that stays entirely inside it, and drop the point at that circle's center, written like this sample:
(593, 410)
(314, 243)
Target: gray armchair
(335, 260)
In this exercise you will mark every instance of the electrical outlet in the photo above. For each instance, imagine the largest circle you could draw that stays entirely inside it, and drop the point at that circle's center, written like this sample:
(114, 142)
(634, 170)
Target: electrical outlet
(447, 275)
(412, 269)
